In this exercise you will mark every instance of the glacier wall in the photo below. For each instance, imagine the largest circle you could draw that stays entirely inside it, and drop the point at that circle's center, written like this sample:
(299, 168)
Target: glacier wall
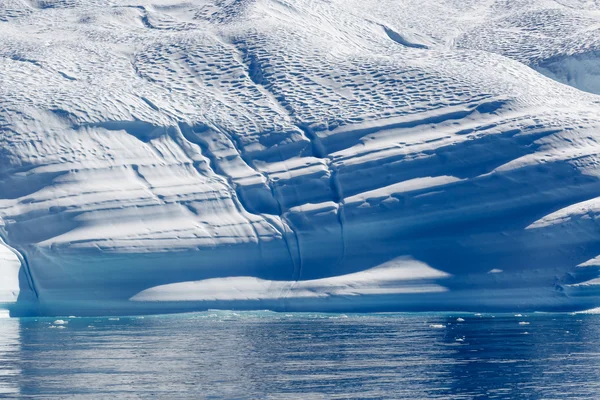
(162, 156)
(10, 267)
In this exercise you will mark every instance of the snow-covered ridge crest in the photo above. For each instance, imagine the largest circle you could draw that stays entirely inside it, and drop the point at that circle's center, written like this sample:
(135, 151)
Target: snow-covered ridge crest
(253, 154)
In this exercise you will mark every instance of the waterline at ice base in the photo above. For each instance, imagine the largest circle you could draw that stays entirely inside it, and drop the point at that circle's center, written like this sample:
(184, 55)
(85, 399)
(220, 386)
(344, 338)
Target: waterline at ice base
(294, 155)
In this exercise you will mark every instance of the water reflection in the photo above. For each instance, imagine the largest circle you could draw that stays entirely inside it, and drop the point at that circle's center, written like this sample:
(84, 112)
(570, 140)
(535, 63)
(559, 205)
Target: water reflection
(530, 356)
(10, 349)
(258, 355)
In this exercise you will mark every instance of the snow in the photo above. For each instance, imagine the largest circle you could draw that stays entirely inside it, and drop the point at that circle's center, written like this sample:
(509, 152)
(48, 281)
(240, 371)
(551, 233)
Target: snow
(437, 326)
(10, 266)
(394, 277)
(162, 155)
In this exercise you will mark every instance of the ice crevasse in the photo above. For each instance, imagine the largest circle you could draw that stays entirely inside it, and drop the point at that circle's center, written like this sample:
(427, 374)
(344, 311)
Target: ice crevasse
(298, 155)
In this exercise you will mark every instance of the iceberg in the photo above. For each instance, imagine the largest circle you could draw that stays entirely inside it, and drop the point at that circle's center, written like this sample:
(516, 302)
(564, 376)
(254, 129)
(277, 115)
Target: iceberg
(298, 155)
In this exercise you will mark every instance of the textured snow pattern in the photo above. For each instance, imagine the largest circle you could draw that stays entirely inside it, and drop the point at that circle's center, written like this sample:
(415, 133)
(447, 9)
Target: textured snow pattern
(298, 155)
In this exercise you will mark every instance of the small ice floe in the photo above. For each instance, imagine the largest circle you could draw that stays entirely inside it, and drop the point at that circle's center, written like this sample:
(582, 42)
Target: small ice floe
(113, 319)
(460, 339)
(460, 320)
(478, 315)
(525, 333)
(518, 315)
(437, 326)
(60, 322)
(341, 316)
(91, 326)
(523, 323)
(495, 271)
(72, 316)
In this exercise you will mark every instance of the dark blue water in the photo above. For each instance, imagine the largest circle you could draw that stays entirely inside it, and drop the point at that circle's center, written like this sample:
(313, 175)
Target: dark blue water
(265, 355)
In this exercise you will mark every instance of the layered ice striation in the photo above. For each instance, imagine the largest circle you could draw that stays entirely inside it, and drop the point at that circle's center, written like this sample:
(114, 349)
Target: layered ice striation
(162, 156)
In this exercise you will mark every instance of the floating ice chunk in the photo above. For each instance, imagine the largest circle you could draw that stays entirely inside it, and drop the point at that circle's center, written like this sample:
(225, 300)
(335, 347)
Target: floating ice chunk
(518, 315)
(495, 271)
(523, 323)
(60, 322)
(342, 316)
(437, 326)
(460, 320)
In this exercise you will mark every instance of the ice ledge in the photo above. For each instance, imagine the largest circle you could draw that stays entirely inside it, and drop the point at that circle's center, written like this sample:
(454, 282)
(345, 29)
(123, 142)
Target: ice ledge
(399, 276)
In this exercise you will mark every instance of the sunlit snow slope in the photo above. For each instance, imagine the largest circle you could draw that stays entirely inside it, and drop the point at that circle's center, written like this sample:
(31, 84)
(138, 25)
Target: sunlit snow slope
(341, 155)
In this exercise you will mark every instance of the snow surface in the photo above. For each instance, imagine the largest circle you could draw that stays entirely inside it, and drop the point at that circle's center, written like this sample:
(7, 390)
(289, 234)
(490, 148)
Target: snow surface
(9, 271)
(349, 155)
(396, 276)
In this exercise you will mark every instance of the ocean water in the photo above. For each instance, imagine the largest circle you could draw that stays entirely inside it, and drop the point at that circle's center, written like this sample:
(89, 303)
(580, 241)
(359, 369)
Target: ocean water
(265, 355)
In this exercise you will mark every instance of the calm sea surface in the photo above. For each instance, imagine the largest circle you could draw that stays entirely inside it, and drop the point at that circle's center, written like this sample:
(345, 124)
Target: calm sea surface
(264, 355)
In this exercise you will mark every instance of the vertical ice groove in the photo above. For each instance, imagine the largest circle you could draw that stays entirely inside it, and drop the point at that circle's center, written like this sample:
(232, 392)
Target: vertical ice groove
(188, 133)
(24, 263)
(336, 187)
(296, 261)
(255, 74)
(145, 183)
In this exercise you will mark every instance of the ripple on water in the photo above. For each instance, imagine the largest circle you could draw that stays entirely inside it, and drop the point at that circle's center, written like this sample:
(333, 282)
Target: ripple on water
(251, 355)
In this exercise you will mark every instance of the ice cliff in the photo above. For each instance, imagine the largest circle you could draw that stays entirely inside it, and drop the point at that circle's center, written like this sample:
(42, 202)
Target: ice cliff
(341, 155)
